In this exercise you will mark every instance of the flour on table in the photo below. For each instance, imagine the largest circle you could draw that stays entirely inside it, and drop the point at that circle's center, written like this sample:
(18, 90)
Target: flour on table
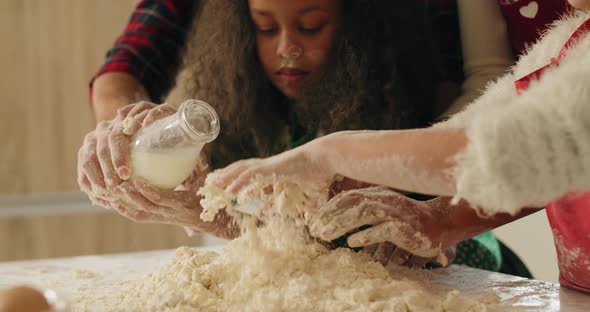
(82, 274)
(279, 267)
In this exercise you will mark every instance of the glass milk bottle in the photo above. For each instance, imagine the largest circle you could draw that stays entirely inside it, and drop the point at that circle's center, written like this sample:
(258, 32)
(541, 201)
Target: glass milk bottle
(166, 152)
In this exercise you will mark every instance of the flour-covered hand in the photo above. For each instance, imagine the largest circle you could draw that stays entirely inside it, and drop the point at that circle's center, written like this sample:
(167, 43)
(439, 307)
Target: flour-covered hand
(104, 169)
(103, 159)
(104, 173)
(387, 253)
(414, 226)
(297, 164)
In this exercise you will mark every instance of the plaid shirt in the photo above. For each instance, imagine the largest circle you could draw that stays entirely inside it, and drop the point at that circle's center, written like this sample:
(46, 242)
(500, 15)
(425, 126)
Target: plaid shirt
(151, 44)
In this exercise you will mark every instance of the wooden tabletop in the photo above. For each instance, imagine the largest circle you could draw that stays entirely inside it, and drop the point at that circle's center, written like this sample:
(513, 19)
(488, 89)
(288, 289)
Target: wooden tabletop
(70, 276)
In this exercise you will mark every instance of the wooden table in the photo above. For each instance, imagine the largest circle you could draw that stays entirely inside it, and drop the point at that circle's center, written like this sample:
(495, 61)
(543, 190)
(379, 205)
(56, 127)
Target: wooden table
(68, 276)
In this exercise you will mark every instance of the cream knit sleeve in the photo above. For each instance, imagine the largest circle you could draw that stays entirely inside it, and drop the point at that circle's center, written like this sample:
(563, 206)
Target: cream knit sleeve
(532, 148)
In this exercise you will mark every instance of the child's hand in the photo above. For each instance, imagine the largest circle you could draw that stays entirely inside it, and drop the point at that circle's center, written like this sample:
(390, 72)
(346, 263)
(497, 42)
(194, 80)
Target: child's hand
(295, 164)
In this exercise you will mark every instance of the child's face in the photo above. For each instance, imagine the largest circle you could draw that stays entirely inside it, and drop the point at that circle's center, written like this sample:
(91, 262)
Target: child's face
(580, 4)
(294, 39)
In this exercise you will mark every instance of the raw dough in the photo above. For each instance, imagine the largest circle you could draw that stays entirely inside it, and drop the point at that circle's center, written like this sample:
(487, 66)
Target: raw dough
(279, 267)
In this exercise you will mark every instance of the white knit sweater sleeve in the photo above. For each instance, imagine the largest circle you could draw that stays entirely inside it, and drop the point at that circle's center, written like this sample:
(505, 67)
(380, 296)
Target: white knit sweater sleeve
(534, 147)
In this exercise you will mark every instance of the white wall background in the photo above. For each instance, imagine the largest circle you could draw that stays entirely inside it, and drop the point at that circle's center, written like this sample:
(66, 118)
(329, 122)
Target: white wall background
(532, 240)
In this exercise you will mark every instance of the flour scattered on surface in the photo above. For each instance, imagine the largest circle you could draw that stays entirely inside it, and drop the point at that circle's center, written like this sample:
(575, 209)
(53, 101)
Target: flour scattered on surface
(82, 274)
(279, 267)
(263, 271)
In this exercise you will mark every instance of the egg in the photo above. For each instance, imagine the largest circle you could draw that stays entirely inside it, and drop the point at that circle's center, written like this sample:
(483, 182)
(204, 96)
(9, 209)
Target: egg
(22, 299)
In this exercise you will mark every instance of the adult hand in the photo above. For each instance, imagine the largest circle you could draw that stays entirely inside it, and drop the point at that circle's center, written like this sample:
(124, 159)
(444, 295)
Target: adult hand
(103, 159)
(104, 173)
(416, 228)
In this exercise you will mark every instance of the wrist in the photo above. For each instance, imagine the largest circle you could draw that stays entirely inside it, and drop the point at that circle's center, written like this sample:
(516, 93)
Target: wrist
(315, 153)
(113, 90)
(449, 224)
(105, 107)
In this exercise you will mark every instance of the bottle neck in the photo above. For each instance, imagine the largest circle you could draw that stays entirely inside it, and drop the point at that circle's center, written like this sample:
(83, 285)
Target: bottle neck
(199, 121)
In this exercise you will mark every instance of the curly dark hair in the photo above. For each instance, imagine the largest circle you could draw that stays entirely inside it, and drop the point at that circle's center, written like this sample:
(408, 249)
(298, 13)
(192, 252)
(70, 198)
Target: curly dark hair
(380, 76)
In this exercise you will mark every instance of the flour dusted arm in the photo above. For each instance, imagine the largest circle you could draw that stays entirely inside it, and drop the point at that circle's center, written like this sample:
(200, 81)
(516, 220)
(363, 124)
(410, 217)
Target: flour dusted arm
(524, 151)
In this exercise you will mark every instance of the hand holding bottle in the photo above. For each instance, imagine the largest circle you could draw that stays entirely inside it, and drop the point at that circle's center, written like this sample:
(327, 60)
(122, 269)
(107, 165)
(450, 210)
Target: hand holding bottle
(103, 159)
(133, 162)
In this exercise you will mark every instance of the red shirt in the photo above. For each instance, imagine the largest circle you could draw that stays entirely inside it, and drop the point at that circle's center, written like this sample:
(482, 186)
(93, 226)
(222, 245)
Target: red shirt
(570, 221)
